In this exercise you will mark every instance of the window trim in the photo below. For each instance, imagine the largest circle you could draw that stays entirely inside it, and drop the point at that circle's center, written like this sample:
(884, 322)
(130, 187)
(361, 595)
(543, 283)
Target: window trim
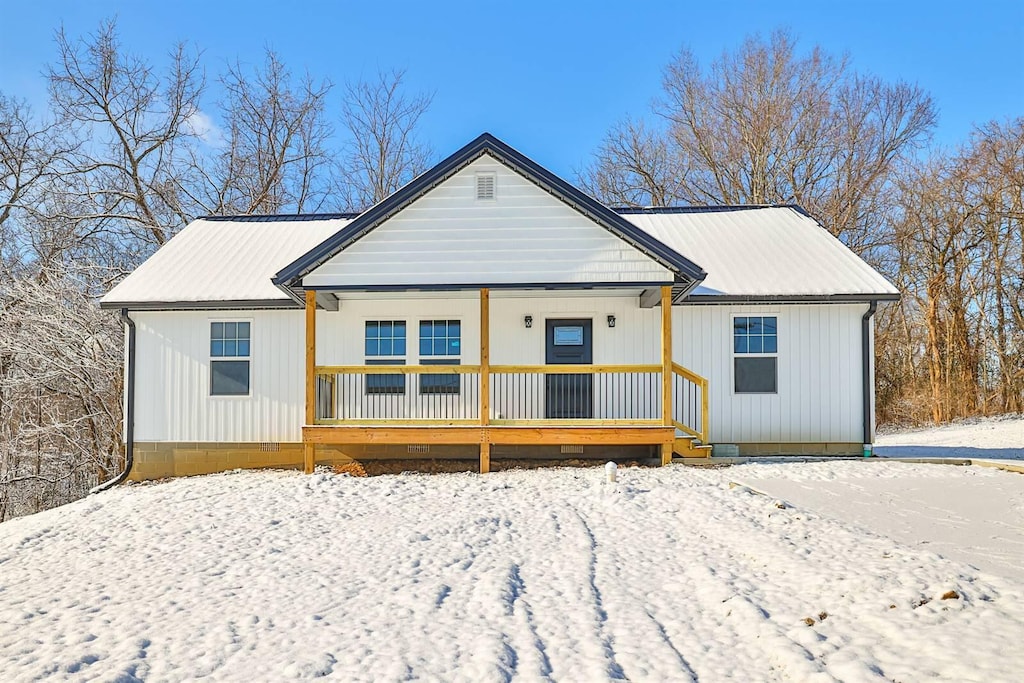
(211, 359)
(734, 354)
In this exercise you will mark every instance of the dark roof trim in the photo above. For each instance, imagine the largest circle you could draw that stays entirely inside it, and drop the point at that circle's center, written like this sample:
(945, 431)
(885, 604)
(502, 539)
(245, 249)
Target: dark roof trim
(483, 285)
(281, 217)
(487, 143)
(228, 304)
(721, 299)
(718, 208)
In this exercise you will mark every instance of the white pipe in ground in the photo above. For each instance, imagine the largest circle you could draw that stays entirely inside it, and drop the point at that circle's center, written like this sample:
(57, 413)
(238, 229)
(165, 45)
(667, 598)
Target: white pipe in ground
(611, 471)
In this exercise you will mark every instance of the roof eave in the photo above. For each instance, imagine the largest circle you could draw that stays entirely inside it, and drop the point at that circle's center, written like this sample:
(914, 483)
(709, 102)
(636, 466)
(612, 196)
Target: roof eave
(849, 298)
(209, 305)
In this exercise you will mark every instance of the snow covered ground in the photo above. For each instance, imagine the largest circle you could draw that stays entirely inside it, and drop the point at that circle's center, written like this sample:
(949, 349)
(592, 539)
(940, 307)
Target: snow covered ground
(991, 438)
(670, 574)
(972, 514)
(967, 513)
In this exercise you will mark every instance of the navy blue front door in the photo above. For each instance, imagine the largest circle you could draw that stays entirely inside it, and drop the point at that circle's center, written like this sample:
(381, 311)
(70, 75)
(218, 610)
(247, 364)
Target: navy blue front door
(569, 396)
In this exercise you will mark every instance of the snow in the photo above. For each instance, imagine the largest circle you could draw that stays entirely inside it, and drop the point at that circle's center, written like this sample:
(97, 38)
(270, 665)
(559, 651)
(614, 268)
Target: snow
(222, 260)
(763, 251)
(1000, 438)
(668, 574)
(971, 514)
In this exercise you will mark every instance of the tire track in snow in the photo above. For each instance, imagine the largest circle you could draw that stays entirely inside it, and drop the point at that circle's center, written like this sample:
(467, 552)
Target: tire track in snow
(643, 647)
(685, 603)
(614, 668)
(566, 615)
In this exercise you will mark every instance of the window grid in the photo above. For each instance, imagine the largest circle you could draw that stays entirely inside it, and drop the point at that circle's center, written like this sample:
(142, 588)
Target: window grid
(229, 339)
(440, 338)
(385, 338)
(755, 335)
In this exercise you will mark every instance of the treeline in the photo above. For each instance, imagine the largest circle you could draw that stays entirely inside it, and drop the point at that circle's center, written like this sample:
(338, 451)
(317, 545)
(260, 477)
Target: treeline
(126, 152)
(767, 124)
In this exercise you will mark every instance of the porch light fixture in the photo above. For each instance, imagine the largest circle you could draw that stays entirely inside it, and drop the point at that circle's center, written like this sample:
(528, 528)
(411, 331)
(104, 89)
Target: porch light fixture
(528, 321)
(611, 321)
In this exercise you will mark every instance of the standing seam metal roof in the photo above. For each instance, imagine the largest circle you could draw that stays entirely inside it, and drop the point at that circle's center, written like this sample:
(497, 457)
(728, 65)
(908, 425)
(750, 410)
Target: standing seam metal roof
(768, 252)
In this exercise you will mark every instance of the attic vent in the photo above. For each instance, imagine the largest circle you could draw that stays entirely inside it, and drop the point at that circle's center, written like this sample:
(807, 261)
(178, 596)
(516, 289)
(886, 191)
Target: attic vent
(485, 183)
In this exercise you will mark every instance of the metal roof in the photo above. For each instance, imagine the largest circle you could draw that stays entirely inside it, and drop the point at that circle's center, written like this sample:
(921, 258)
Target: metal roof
(763, 252)
(223, 259)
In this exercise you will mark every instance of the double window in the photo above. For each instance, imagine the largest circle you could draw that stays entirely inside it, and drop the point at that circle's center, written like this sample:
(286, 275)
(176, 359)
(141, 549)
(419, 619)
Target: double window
(755, 341)
(230, 344)
(440, 343)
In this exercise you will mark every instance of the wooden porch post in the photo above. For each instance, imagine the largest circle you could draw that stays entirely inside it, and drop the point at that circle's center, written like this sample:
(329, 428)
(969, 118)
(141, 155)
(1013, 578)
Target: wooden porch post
(666, 368)
(308, 448)
(485, 378)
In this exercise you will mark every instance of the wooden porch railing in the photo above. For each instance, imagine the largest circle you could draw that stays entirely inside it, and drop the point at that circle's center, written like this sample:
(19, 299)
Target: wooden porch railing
(690, 402)
(398, 394)
(519, 395)
(576, 394)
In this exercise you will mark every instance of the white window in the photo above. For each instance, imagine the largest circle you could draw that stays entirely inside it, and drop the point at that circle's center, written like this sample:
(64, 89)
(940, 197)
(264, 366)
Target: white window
(755, 340)
(230, 347)
(385, 345)
(440, 344)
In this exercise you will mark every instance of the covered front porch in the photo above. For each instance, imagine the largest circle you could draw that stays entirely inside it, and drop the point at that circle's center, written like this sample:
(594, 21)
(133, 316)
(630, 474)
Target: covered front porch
(485, 398)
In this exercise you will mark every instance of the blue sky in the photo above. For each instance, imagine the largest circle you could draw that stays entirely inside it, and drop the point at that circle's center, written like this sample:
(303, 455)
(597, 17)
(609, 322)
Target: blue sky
(549, 77)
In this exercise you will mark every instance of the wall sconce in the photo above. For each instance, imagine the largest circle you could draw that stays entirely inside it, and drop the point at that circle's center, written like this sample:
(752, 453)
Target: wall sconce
(528, 321)
(611, 321)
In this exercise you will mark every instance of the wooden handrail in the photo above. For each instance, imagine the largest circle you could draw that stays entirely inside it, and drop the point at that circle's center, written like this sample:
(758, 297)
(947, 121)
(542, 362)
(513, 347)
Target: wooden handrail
(473, 369)
(571, 369)
(689, 374)
(703, 383)
(397, 369)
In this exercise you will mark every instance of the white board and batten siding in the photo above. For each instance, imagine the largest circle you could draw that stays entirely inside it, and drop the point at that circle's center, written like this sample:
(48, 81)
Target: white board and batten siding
(172, 396)
(819, 396)
(524, 235)
(819, 362)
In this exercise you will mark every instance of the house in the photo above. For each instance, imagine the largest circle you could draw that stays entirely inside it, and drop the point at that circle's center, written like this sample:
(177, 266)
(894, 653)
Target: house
(489, 309)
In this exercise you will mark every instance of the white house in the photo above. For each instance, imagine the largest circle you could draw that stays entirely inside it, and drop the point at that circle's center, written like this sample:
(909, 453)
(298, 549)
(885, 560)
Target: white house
(489, 309)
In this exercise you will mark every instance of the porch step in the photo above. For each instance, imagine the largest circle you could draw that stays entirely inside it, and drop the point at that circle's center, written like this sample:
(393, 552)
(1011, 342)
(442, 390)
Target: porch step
(689, 447)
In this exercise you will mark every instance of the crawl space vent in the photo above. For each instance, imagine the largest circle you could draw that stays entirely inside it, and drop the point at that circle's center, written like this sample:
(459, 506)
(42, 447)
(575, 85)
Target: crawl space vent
(270, 447)
(418, 448)
(485, 185)
(577, 450)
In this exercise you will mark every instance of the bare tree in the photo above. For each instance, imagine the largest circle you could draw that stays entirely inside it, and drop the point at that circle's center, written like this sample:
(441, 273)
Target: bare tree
(958, 229)
(32, 156)
(135, 123)
(384, 151)
(60, 417)
(274, 156)
(636, 166)
(765, 125)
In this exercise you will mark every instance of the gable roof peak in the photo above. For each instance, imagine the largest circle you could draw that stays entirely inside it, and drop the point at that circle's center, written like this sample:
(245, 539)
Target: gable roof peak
(620, 226)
